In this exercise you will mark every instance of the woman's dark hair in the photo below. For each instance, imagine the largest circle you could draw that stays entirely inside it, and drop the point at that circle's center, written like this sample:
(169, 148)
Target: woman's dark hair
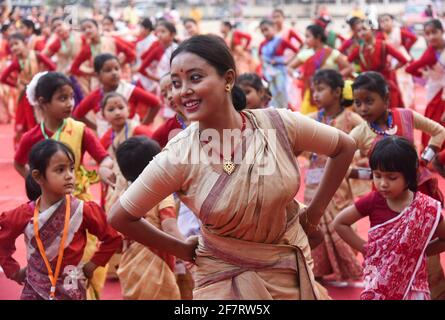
(353, 21)
(333, 79)
(57, 18)
(317, 32)
(396, 154)
(49, 83)
(39, 158)
(100, 60)
(17, 36)
(89, 20)
(214, 50)
(147, 24)
(371, 81)
(5, 27)
(228, 24)
(435, 23)
(129, 159)
(109, 96)
(266, 22)
(167, 25)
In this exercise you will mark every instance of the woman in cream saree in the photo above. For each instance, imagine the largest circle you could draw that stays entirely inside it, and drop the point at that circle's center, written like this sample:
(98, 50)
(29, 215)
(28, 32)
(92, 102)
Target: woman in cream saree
(253, 245)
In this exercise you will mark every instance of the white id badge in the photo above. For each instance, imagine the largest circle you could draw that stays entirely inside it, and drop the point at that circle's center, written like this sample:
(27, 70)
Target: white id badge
(313, 176)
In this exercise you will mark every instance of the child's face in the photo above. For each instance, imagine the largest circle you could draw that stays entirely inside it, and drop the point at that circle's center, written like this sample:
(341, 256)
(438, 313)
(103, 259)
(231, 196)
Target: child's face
(254, 98)
(433, 36)
(390, 184)
(116, 112)
(59, 175)
(17, 47)
(325, 96)
(268, 31)
(167, 94)
(277, 18)
(309, 39)
(191, 29)
(89, 29)
(163, 34)
(107, 25)
(369, 105)
(365, 33)
(61, 103)
(27, 32)
(385, 23)
(356, 27)
(110, 74)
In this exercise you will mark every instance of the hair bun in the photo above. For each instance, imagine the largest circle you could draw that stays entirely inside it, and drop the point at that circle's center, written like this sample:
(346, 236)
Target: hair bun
(238, 98)
(31, 89)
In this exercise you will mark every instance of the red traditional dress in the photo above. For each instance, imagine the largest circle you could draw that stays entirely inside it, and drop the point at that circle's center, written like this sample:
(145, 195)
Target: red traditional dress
(138, 100)
(433, 63)
(376, 59)
(84, 215)
(395, 265)
(82, 65)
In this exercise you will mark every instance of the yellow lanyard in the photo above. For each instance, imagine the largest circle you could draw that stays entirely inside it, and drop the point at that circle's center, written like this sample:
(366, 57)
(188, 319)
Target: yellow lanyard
(52, 277)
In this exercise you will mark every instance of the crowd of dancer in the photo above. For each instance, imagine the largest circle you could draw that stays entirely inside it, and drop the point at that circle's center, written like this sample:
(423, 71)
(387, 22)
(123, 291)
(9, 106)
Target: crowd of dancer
(199, 140)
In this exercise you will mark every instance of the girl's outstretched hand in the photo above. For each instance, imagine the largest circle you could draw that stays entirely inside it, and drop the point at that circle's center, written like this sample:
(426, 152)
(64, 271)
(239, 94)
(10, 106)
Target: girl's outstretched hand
(107, 176)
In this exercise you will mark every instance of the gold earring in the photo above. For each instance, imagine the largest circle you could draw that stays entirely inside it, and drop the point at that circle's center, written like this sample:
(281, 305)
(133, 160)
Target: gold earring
(228, 88)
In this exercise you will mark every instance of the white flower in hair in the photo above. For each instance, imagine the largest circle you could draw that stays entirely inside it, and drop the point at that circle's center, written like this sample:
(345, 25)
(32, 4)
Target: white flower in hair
(31, 89)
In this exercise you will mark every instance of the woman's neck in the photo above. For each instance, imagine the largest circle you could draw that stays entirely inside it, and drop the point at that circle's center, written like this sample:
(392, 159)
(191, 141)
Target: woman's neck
(48, 199)
(223, 120)
(23, 55)
(52, 124)
(333, 109)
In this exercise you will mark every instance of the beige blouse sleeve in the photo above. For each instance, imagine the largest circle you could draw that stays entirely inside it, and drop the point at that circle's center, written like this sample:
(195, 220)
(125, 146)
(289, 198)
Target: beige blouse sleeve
(162, 177)
(434, 129)
(306, 134)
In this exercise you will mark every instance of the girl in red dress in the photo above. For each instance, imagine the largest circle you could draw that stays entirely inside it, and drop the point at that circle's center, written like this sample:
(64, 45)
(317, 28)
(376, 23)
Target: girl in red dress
(25, 64)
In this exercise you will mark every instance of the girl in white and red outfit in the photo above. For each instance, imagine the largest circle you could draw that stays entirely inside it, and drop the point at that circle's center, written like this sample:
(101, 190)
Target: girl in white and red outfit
(143, 105)
(402, 40)
(432, 65)
(65, 45)
(94, 45)
(146, 41)
(26, 63)
(156, 61)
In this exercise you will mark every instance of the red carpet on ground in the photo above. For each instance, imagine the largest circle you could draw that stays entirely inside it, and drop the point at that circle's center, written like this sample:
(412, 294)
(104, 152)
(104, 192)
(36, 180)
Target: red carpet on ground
(12, 193)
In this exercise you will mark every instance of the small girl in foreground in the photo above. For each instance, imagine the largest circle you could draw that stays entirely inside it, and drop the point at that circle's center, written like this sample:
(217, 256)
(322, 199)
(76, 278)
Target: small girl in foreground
(55, 226)
(403, 222)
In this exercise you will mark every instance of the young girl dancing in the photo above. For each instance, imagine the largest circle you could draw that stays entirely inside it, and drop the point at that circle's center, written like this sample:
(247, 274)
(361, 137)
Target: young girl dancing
(333, 258)
(371, 100)
(55, 227)
(403, 222)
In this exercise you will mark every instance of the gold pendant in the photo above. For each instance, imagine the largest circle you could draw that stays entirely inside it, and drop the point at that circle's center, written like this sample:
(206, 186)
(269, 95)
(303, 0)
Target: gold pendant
(228, 167)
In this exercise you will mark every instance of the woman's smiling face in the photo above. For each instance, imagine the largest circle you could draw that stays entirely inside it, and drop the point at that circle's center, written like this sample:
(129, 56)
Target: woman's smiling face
(197, 86)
